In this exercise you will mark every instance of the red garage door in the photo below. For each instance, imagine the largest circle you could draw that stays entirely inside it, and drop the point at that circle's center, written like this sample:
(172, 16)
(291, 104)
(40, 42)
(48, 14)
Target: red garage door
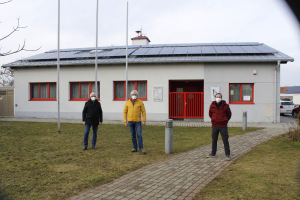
(186, 105)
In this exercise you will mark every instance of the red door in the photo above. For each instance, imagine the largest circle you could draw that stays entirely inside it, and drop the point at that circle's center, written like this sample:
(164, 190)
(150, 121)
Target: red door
(186, 105)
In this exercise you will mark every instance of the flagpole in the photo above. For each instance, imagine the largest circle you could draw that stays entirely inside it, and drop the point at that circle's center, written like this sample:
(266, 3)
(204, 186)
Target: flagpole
(126, 52)
(96, 52)
(58, 67)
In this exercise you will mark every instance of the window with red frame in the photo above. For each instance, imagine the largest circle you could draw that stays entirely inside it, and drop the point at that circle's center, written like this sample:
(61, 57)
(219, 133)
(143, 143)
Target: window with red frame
(241, 93)
(120, 89)
(80, 91)
(43, 91)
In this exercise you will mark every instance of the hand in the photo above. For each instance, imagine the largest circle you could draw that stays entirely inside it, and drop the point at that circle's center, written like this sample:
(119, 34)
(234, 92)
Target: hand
(143, 123)
(100, 123)
(125, 124)
(83, 123)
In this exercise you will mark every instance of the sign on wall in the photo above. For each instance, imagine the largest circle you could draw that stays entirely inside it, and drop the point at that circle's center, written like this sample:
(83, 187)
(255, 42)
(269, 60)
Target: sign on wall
(158, 93)
(213, 91)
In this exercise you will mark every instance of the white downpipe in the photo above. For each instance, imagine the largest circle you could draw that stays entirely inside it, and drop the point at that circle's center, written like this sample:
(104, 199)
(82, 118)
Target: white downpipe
(276, 99)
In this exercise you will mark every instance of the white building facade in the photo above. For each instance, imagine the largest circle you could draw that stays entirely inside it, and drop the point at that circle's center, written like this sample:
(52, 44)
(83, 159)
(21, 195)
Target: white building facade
(248, 81)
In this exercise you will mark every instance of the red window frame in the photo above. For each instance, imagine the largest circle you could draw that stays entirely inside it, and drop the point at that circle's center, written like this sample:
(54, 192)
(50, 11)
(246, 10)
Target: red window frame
(135, 87)
(90, 91)
(241, 94)
(39, 91)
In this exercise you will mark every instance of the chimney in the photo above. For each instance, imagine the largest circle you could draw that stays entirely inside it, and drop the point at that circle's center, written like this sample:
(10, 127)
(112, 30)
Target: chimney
(140, 39)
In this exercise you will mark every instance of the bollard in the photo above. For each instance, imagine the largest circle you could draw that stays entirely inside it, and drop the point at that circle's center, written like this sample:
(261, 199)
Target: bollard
(244, 123)
(169, 136)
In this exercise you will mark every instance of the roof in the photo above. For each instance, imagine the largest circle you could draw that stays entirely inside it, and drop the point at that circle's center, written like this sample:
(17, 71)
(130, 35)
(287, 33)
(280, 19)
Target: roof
(291, 90)
(141, 38)
(158, 53)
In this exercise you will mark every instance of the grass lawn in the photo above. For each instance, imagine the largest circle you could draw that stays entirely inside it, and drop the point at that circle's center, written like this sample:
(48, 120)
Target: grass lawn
(271, 171)
(38, 163)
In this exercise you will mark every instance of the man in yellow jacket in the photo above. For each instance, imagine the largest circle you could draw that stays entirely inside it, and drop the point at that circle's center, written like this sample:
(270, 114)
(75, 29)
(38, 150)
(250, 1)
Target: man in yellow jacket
(134, 108)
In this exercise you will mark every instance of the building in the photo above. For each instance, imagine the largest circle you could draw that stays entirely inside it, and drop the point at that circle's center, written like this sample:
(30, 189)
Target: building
(292, 92)
(7, 101)
(174, 80)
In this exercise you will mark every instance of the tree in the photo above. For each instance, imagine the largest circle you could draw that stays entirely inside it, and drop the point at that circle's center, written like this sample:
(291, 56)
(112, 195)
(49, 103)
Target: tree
(6, 77)
(7, 74)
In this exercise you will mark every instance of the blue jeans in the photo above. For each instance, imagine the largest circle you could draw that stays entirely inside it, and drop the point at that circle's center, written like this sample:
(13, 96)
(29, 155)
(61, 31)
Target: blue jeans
(136, 131)
(86, 135)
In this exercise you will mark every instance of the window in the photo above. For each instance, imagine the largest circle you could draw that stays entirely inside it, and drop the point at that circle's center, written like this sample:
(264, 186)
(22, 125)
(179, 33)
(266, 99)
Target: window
(241, 93)
(120, 89)
(80, 91)
(43, 91)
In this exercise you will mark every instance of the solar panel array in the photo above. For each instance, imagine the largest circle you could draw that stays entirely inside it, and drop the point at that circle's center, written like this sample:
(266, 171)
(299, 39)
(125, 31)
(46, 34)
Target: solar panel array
(201, 49)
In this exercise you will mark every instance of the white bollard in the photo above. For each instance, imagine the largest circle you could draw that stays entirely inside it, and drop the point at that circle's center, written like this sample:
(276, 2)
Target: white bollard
(244, 123)
(169, 136)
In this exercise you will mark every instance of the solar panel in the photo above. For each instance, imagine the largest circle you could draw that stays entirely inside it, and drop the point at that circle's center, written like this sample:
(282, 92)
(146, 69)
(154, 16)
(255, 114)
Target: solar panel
(141, 52)
(208, 50)
(235, 49)
(265, 49)
(194, 50)
(122, 52)
(250, 49)
(166, 51)
(153, 51)
(222, 50)
(181, 50)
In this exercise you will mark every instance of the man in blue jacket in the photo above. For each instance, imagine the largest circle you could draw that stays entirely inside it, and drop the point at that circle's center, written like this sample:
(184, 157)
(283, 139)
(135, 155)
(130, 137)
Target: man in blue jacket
(91, 116)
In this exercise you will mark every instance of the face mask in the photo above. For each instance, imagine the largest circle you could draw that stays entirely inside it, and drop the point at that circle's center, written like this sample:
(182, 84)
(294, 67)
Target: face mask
(93, 98)
(134, 97)
(218, 100)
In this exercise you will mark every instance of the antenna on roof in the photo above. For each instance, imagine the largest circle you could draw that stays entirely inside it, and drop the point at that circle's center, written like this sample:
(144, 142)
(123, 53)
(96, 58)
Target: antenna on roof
(139, 33)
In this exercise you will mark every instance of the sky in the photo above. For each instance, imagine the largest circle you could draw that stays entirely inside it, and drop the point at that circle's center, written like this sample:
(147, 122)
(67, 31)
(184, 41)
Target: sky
(163, 21)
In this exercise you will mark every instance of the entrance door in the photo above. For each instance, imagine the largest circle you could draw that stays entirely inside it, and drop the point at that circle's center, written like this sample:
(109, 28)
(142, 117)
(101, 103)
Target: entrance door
(186, 105)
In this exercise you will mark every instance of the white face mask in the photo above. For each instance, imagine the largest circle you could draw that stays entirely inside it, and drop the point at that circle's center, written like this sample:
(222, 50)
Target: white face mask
(218, 100)
(134, 97)
(93, 98)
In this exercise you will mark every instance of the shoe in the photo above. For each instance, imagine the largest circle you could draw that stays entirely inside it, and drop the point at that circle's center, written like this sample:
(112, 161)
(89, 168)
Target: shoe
(142, 152)
(211, 155)
(94, 148)
(85, 148)
(228, 157)
(133, 150)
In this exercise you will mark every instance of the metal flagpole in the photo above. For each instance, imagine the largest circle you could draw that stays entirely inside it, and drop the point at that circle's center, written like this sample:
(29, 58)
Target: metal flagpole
(96, 52)
(58, 67)
(126, 53)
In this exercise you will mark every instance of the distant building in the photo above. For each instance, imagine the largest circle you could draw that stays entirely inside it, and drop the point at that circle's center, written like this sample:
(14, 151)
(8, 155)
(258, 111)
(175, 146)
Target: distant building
(175, 81)
(292, 92)
(7, 101)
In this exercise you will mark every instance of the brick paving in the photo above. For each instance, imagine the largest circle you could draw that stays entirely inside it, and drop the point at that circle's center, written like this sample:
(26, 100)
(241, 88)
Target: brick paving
(181, 176)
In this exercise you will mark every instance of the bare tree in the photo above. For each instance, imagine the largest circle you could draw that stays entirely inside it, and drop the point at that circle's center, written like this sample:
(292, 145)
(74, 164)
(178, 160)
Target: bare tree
(21, 47)
(7, 74)
(6, 77)
(5, 2)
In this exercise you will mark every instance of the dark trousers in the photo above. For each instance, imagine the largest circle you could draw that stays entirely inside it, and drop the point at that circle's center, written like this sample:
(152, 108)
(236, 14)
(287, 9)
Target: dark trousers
(215, 134)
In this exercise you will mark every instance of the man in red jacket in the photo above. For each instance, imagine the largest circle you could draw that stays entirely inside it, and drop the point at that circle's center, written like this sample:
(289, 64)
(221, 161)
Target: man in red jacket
(220, 114)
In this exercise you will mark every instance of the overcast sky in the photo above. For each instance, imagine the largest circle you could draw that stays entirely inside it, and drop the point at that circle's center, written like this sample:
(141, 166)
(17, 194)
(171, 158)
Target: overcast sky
(164, 21)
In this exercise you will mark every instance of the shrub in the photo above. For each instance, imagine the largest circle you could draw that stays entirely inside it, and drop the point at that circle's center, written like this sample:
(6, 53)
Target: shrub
(294, 133)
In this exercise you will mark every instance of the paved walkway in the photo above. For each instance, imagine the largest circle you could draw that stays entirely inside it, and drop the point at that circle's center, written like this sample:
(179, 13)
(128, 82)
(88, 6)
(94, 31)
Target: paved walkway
(181, 176)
